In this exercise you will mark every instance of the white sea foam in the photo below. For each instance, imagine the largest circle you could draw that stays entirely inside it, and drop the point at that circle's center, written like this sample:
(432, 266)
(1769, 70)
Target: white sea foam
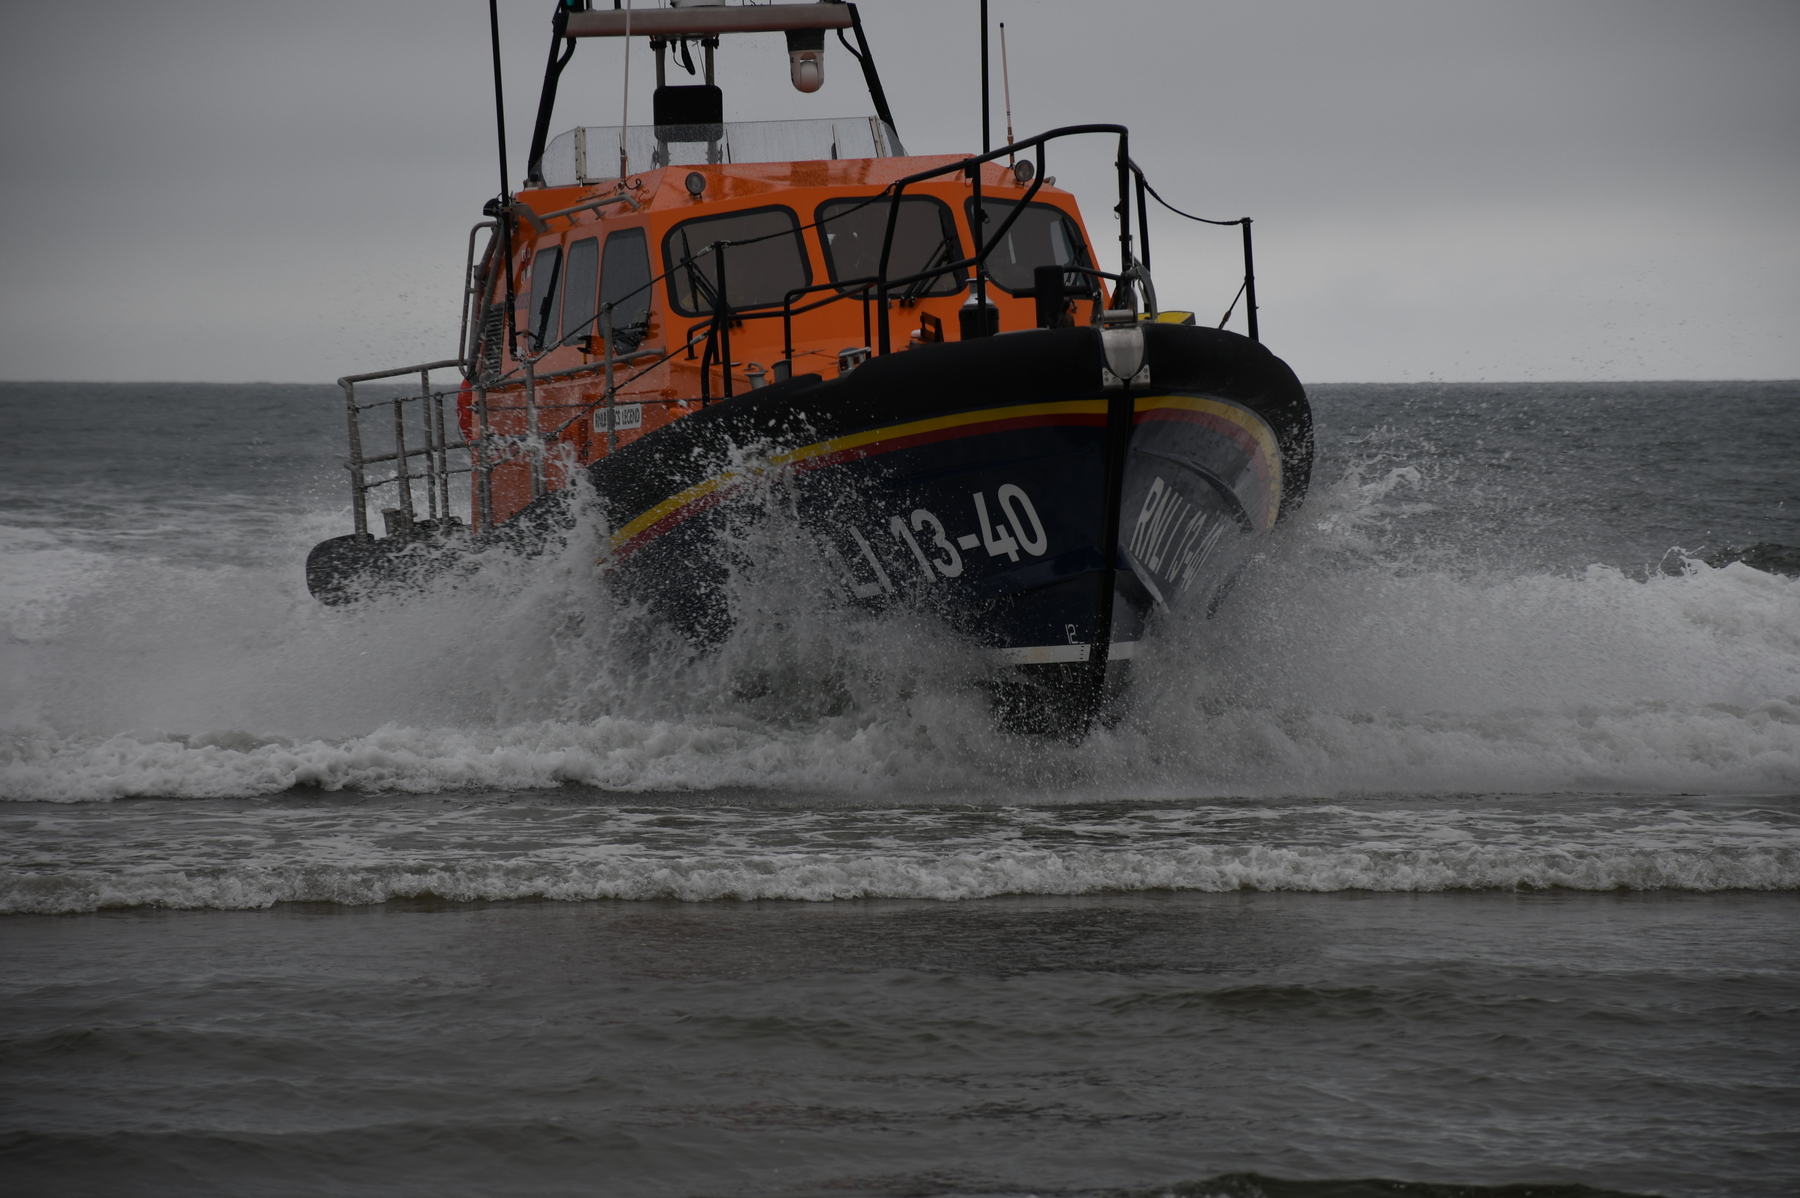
(1336, 667)
(202, 854)
(42, 571)
(622, 755)
(972, 875)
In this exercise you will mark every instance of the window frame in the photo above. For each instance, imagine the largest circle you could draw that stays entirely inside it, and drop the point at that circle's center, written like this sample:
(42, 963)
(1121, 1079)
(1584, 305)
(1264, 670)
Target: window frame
(538, 323)
(946, 219)
(565, 335)
(669, 261)
(630, 336)
(1084, 257)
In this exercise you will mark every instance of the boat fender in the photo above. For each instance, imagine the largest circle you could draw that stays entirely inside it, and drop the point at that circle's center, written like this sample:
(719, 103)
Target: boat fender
(1125, 364)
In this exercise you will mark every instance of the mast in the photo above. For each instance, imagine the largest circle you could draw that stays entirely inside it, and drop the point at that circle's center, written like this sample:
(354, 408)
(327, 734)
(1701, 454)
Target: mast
(1006, 87)
(987, 137)
(502, 206)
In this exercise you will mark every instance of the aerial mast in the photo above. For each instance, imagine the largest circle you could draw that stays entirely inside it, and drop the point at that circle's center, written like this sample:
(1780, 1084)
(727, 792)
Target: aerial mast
(625, 104)
(501, 214)
(1006, 87)
(987, 141)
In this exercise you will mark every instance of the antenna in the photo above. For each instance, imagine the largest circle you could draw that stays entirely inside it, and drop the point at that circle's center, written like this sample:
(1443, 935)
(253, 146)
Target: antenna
(986, 139)
(499, 93)
(502, 213)
(1006, 84)
(625, 105)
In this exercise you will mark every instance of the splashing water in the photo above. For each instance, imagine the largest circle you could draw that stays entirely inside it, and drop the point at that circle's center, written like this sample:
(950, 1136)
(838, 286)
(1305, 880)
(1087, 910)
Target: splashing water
(1386, 640)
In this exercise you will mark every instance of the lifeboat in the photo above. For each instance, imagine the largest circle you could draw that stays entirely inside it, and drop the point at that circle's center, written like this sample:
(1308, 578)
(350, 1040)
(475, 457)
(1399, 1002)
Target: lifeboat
(961, 407)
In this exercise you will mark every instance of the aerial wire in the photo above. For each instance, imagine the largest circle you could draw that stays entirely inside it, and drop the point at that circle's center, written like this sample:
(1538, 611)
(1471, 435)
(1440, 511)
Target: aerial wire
(499, 94)
(625, 102)
(987, 142)
(980, 209)
(1006, 85)
(502, 215)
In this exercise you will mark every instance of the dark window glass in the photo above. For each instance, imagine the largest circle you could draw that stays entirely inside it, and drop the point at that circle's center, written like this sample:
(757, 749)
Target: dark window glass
(1043, 235)
(768, 262)
(924, 237)
(546, 270)
(580, 288)
(625, 283)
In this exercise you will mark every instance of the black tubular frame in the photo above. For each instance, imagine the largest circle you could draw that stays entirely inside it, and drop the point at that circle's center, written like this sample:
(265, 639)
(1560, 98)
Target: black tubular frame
(972, 167)
(559, 24)
(883, 284)
(866, 60)
(540, 132)
(1133, 270)
(717, 345)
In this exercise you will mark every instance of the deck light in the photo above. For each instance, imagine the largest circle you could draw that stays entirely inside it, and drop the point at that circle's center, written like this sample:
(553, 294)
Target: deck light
(696, 183)
(806, 59)
(1023, 171)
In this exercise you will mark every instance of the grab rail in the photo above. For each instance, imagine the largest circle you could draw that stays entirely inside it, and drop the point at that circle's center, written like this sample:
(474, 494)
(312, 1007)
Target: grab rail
(1133, 276)
(436, 449)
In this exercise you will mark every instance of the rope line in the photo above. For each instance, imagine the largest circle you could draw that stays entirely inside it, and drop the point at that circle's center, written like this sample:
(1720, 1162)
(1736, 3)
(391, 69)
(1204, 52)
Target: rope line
(1205, 220)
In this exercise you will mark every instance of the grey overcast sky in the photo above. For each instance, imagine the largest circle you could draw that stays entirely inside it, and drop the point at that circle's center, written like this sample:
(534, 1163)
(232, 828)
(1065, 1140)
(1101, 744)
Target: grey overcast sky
(1583, 189)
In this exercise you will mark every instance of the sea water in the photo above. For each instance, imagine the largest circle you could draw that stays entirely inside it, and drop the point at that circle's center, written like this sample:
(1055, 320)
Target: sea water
(1461, 848)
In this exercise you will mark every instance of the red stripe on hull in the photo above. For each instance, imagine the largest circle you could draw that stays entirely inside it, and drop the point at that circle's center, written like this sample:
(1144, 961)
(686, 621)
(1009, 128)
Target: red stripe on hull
(1217, 423)
(621, 552)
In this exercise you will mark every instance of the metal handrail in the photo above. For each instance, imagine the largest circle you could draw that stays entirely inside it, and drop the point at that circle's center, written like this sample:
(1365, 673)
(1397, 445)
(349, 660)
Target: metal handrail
(474, 282)
(435, 451)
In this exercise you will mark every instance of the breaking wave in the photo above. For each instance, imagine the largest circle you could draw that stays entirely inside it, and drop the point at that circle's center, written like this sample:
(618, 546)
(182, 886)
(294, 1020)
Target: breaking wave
(1339, 666)
(561, 848)
(965, 876)
(483, 737)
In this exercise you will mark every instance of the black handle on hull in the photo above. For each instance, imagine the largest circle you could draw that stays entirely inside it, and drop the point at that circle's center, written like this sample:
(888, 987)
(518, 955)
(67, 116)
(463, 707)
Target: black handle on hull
(1119, 408)
(1249, 283)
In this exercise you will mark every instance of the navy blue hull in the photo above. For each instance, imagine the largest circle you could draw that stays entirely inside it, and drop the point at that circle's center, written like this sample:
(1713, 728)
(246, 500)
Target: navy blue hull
(1017, 486)
(1043, 518)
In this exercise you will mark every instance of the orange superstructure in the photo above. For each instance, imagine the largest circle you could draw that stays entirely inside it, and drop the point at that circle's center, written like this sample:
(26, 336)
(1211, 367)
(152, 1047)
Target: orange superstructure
(662, 370)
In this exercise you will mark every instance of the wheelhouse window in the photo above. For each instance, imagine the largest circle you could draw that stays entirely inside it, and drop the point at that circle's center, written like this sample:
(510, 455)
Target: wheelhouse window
(580, 290)
(767, 260)
(625, 283)
(852, 231)
(1044, 235)
(546, 272)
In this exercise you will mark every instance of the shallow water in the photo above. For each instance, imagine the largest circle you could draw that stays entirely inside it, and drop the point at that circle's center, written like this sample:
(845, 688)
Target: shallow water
(1461, 848)
(1640, 1042)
